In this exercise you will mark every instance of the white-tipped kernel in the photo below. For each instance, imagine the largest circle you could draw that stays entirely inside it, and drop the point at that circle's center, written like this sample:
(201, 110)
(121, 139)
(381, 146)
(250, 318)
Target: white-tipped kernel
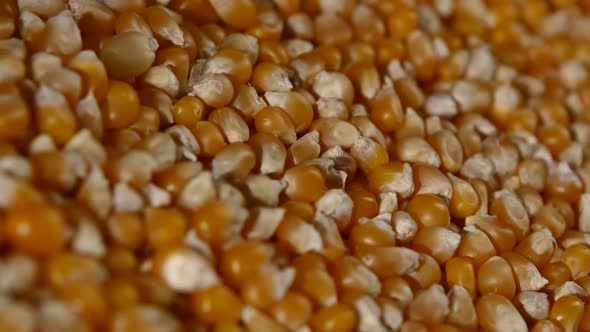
(89, 115)
(482, 64)
(444, 7)
(16, 166)
(247, 101)
(435, 299)
(433, 124)
(88, 240)
(365, 151)
(503, 316)
(162, 148)
(460, 306)
(360, 277)
(403, 184)
(573, 155)
(192, 240)
(43, 63)
(30, 26)
(556, 23)
(503, 157)
(506, 97)
(387, 203)
(242, 42)
(404, 225)
(283, 281)
(413, 125)
(56, 315)
(230, 194)
(156, 196)
(393, 315)
(307, 239)
(296, 47)
(532, 85)
(272, 156)
(433, 182)
(185, 270)
(569, 288)
(265, 222)
(10, 187)
(333, 85)
(162, 78)
(198, 191)
(126, 199)
(150, 315)
(17, 273)
(255, 320)
(168, 29)
(396, 71)
(533, 304)
(95, 193)
(41, 143)
(572, 72)
(369, 315)
(441, 104)
(478, 167)
(63, 35)
(584, 216)
(527, 275)
(87, 146)
(231, 124)
(79, 168)
(342, 160)
(471, 96)
(41, 7)
(332, 108)
(18, 315)
(368, 129)
(417, 150)
(480, 124)
(337, 204)
(265, 189)
(306, 147)
(48, 97)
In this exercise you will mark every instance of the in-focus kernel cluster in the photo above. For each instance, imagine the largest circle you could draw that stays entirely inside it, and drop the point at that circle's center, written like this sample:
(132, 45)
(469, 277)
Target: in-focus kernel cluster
(294, 165)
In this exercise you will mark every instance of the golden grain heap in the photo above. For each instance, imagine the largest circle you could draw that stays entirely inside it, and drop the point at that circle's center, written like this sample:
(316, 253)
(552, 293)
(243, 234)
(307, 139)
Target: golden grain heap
(294, 165)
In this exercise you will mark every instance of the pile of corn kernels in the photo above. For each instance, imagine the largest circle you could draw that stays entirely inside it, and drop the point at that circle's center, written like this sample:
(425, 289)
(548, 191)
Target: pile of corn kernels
(294, 165)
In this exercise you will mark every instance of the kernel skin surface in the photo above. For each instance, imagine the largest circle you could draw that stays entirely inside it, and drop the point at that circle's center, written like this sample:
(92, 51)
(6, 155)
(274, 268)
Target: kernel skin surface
(294, 165)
